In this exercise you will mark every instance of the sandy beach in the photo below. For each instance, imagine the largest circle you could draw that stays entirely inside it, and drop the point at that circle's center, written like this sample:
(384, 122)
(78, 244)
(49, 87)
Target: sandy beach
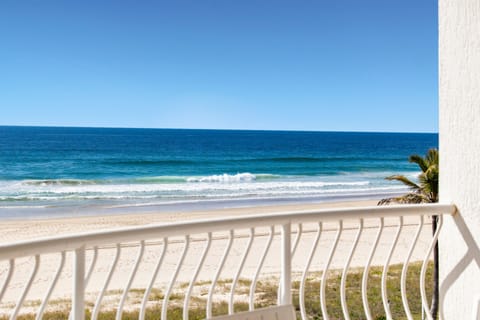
(16, 230)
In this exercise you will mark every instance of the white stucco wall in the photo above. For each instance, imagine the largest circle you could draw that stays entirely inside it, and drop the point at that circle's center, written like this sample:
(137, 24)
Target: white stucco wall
(459, 71)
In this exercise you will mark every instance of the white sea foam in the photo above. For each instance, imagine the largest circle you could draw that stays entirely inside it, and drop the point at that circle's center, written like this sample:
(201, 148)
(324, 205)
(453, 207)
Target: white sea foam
(225, 178)
(188, 191)
(196, 188)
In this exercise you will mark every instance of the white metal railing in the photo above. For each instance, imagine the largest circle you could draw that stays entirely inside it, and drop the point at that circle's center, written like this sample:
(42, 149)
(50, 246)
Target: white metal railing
(287, 244)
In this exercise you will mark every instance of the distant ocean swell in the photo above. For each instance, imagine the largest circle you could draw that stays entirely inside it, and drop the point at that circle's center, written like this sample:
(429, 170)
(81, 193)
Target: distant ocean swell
(158, 179)
(140, 162)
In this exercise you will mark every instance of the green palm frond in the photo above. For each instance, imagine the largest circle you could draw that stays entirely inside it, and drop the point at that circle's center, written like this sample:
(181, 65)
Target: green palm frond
(405, 181)
(429, 180)
(420, 161)
(432, 157)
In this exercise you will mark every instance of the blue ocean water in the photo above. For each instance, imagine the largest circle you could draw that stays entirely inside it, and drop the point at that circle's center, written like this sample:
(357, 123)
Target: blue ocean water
(56, 167)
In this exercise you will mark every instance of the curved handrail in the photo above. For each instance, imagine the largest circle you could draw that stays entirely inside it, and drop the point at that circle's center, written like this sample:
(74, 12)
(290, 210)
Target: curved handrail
(133, 234)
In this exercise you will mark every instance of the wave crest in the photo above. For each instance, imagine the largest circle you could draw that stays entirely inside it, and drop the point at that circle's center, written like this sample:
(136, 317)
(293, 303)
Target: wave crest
(225, 178)
(59, 182)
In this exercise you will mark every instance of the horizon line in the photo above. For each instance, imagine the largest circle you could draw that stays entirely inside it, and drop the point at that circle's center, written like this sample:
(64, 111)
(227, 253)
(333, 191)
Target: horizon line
(218, 129)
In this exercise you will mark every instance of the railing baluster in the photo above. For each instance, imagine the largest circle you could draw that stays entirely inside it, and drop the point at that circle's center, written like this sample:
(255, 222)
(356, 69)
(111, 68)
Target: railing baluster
(253, 285)
(424, 268)
(217, 274)
(143, 307)
(174, 278)
(286, 293)
(323, 301)
(19, 304)
(41, 309)
(195, 275)
(285, 286)
(403, 279)
(78, 299)
(239, 271)
(6, 282)
(385, 271)
(366, 271)
(98, 303)
(92, 265)
(80, 255)
(130, 280)
(343, 296)
(297, 239)
(303, 312)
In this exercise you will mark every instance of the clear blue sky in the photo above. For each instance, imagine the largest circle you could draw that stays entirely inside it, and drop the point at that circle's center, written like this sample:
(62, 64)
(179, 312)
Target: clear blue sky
(301, 65)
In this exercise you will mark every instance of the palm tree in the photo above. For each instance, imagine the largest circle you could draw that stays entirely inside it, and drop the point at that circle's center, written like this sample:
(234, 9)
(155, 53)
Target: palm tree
(425, 191)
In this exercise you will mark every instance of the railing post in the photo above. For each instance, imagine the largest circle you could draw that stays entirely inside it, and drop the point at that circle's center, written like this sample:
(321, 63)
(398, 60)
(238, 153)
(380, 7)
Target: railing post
(286, 265)
(78, 299)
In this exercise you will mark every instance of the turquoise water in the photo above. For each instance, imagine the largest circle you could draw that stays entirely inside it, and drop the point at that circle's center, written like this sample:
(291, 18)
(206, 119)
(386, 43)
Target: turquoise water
(46, 170)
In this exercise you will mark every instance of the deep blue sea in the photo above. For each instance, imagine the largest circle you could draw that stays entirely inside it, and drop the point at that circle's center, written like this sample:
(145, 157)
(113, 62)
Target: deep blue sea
(71, 171)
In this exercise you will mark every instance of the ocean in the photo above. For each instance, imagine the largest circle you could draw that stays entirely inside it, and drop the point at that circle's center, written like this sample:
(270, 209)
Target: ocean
(66, 171)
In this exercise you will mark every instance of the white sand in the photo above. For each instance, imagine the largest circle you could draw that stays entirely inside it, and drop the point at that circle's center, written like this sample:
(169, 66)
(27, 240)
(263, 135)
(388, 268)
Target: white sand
(21, 230)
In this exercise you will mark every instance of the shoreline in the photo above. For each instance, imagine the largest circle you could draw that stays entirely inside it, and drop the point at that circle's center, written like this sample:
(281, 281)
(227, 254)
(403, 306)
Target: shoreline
(66, 210)
(21, 228)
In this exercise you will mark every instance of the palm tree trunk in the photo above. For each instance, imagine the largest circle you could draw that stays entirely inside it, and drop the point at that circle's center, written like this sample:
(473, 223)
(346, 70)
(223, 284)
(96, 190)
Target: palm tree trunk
(435, 296)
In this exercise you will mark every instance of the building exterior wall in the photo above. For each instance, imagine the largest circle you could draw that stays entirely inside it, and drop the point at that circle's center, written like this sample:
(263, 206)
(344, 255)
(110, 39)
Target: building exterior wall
(459, 73)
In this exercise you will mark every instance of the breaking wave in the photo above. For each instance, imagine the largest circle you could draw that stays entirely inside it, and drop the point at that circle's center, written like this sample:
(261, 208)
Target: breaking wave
(187, 188)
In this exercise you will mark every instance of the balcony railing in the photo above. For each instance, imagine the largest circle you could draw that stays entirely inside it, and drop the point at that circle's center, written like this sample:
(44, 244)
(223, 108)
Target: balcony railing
(197, 258)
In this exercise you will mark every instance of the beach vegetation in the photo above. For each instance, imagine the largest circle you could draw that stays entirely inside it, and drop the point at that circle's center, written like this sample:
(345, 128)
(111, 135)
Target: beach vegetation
(266, 295)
